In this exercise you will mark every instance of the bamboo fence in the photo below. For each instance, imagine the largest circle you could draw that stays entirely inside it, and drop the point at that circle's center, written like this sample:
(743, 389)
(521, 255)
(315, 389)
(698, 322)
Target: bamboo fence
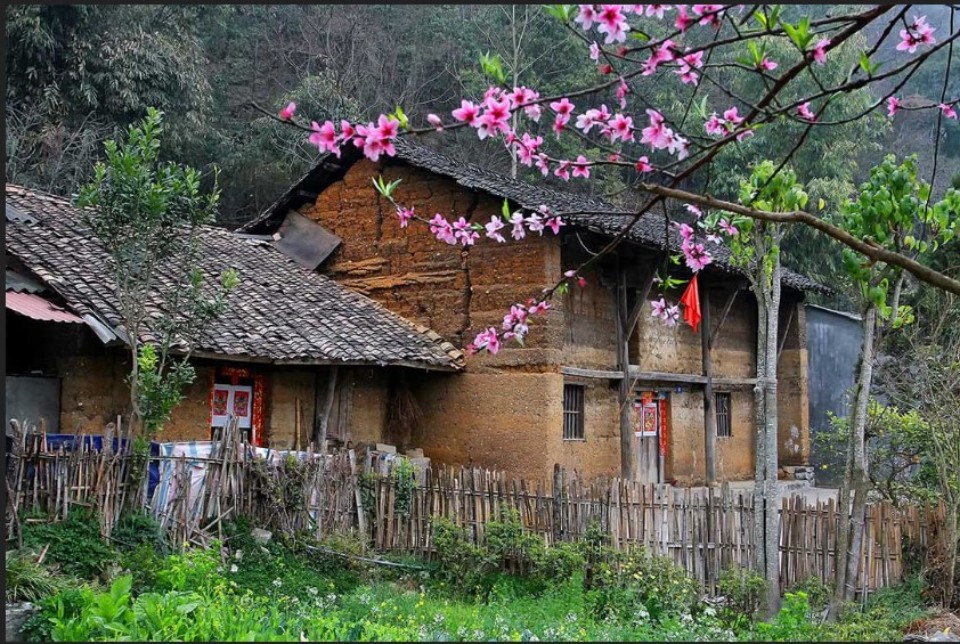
(703, 530)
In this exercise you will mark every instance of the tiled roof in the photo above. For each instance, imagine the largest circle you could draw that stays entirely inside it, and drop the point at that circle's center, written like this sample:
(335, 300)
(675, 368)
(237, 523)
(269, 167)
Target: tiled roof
(279, 312)
(591, 213)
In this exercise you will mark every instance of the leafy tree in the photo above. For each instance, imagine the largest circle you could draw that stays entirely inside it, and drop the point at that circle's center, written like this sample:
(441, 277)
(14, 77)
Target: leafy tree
(892, 211)
(756, 249)
(148, 216)
(77, 74)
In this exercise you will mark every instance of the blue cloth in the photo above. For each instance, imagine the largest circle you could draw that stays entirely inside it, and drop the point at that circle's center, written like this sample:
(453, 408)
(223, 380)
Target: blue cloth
(70, 442)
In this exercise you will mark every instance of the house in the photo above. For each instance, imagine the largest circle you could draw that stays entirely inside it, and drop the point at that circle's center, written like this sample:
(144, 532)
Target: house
(597, 387)
(293, 349)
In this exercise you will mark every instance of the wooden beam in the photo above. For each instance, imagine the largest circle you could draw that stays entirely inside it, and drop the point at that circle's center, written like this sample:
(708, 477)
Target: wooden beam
(709, 417)
(687, 378)
(623, 363)
(726, 309)
(591, 373)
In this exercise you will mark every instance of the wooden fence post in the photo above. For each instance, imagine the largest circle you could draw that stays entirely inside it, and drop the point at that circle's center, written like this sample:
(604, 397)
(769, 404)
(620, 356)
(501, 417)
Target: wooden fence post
(557, 497)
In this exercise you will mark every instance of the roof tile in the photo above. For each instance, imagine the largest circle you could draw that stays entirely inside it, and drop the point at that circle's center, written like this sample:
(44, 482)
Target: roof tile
(279, 311)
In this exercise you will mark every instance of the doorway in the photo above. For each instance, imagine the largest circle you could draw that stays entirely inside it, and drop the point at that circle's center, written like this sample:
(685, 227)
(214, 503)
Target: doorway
(650, 434)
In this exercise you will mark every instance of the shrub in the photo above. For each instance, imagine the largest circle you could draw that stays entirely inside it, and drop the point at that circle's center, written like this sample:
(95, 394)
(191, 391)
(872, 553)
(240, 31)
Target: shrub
(559, 563)
(462, 564)
(743, 590)
(791, 624)
(344, 572)
(144, 563)
(817, 591)
(640, 586)
(191, 570)
(508, 545)
(75, 544)
(404, 477)
(27, 580)
(135, 529)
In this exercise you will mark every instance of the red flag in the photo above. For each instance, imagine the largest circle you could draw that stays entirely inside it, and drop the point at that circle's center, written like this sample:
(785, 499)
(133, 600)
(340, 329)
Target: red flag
(691, 304)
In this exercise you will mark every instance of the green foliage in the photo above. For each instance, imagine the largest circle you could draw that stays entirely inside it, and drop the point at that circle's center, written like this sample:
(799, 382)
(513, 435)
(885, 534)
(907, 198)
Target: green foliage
(78, 73)
(404, 476)
(271, 593)
(158, 393)
(757, 245)
(793, 623)
(139, 528)
(368, 490)
(147, 214)
(637, 583)
(817, 592)
(899, 455)
(743, 589)
(26, 580)
(892, 210)
(75, 544)
(463, 564)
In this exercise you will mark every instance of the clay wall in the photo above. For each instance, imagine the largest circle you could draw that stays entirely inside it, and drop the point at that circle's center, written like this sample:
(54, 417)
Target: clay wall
(457, 292)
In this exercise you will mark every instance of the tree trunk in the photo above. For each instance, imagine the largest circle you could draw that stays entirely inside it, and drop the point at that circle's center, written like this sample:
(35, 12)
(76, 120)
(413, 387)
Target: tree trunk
(627, 457)
(759, 403)
(771, 544)
(850, 539)
(950, 566)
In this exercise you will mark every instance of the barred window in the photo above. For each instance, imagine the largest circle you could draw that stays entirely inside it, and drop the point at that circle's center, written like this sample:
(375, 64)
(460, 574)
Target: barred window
(573, 412)
(722, 404)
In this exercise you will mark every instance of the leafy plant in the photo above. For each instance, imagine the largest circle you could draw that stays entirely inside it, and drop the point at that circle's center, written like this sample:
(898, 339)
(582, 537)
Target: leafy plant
(791, 624)
(75, 544)
(148, 214)
(26, 579)
(743, 589)
(404, 476)
(463, 564)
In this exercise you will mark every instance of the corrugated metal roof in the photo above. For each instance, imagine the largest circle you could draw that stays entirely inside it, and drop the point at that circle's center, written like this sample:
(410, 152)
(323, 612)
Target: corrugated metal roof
(38, 308)
(21, 283)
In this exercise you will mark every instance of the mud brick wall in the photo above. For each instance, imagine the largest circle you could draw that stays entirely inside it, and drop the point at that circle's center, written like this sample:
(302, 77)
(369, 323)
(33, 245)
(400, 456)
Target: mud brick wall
(455, 291)
(793, 388)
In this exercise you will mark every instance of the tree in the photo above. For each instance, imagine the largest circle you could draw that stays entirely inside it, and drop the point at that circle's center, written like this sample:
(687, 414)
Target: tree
(78, 74)
(893, 211)
(755, 247)
(925, 378)
(148, 215)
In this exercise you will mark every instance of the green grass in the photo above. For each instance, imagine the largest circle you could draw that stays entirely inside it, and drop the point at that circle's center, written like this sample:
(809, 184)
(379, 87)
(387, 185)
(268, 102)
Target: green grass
(279, 591)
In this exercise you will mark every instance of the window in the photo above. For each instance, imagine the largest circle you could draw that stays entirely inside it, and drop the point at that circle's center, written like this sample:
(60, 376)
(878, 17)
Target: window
(723, 415)
(573, 412)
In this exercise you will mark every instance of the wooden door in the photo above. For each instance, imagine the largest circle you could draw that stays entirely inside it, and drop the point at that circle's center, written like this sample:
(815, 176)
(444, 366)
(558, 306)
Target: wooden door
(647, 436)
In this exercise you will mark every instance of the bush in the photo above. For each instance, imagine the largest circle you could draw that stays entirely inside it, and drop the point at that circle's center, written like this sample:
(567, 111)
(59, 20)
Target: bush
(640, 586)
(559, 563)
(509, 547)
(817, 591)
(75, 544)
(67, 604)
(144, 563)
(136, 529)
(743, 590)
(27, 580)
(462, 564)
(791, 624)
